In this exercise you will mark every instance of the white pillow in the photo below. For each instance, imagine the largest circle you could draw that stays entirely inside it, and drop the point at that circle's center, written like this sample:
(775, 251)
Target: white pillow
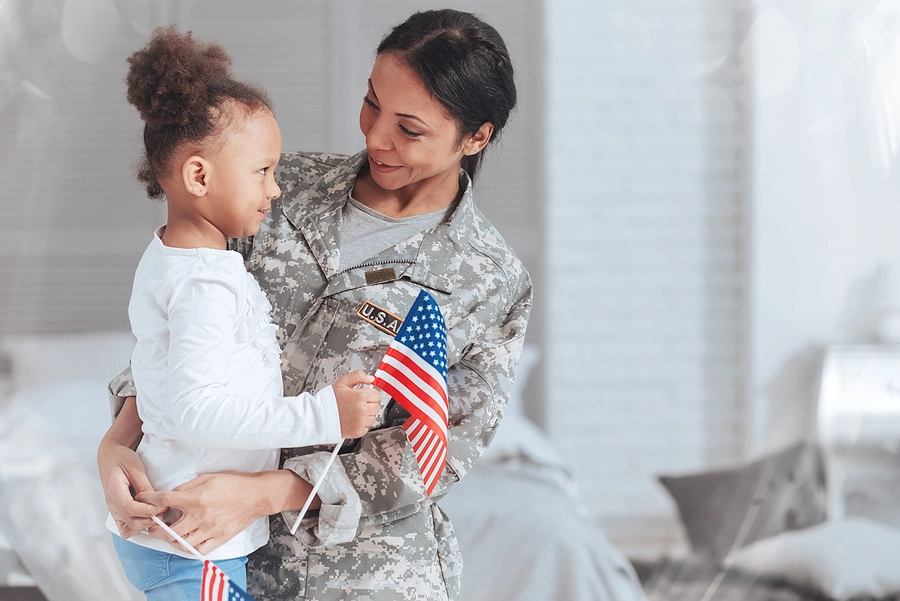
(850, 557)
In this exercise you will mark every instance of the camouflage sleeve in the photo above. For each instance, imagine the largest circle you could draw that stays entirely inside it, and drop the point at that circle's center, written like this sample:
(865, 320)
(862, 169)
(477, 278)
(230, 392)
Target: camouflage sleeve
(382, 472)
(120, 388)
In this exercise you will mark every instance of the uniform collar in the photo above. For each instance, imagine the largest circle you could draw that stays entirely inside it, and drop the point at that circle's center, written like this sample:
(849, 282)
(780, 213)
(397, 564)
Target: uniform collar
(316, 213)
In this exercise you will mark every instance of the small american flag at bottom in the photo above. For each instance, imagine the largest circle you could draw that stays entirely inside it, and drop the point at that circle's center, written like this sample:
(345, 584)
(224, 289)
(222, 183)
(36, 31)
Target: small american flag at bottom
(217, 586)
(414, 373)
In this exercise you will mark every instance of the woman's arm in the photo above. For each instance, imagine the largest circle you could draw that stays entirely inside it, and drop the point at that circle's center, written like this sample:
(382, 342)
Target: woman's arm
(207, 521)
(216, 507)
(122, 471)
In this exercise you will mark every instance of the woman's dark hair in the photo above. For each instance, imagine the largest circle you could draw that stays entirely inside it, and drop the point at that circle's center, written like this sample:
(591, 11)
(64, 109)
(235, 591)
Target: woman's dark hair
(180, 86)
(463, 63)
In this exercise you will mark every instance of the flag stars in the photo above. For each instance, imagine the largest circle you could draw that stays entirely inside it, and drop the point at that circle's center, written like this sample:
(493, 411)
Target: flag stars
(423, 332)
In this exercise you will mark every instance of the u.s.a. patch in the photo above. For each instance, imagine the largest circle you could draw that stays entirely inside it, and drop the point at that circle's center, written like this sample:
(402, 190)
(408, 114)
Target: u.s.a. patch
(382, 319)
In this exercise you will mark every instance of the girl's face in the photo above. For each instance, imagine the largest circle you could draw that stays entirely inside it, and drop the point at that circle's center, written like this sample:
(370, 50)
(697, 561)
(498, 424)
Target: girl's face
(410, 139)
(242, 183)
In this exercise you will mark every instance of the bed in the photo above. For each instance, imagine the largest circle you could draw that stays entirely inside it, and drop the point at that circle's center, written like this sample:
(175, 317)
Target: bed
(522, 528)
(817, 519)
(52, 513)
(762, 531)
(758, 531)
(524, 533)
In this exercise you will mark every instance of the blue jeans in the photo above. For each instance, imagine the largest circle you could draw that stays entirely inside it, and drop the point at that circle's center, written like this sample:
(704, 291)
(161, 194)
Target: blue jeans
(164, 576)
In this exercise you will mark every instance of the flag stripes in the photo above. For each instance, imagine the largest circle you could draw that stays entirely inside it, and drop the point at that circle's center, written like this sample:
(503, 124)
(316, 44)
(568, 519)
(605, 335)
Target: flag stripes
(214, 586)
(430, 449)
(419, 377)
(414, 372)
(433, 403)
(217, 586)
(425, 430)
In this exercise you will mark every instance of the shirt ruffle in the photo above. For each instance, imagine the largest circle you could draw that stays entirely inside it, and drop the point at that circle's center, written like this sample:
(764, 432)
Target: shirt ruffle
(255, 325)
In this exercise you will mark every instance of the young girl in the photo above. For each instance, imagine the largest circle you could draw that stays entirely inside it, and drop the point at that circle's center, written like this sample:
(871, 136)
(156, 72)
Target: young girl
(207, 361)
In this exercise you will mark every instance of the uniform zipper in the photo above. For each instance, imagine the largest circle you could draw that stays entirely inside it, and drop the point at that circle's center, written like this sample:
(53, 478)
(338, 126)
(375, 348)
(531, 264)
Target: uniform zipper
(378, 261)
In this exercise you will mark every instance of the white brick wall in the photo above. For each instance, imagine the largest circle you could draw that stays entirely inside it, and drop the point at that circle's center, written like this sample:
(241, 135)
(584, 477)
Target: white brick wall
(644, 270)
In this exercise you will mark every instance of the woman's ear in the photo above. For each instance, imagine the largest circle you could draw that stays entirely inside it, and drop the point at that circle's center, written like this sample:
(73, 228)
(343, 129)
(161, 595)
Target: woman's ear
(195, 173)
(479, 139)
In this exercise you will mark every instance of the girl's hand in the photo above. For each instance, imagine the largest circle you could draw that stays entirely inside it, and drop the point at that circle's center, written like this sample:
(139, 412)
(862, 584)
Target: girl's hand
(121, 470)
(215, 507)
(357, 407)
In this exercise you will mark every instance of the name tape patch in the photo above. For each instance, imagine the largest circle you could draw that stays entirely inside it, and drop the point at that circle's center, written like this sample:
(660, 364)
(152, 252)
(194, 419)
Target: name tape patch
(379, 276)
(382, 319)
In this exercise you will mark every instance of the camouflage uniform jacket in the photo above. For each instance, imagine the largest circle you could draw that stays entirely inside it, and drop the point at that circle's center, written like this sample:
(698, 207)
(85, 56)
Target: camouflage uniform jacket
(378, 535)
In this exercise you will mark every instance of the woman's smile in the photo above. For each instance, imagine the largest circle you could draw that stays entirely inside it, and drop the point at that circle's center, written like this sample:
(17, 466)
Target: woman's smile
(382, 167)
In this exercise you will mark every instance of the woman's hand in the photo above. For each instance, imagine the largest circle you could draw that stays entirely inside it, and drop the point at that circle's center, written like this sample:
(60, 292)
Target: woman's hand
(215, 507)
(121, 471)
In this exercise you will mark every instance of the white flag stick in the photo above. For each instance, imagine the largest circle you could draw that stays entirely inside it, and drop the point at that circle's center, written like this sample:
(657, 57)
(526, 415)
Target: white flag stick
(183, 542)
(315, 487)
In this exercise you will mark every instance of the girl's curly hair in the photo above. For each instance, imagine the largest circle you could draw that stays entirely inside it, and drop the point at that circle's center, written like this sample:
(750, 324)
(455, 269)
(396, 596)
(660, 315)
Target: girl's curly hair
(180, 87)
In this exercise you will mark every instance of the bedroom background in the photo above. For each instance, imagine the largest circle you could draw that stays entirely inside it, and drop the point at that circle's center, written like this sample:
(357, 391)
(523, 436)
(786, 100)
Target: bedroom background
(703, 192)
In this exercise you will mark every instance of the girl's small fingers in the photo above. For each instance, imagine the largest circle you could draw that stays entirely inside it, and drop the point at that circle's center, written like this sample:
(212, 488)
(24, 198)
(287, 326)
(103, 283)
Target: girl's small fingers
(356, 378)
(161, 534)
(143, 511)
(125, 530)
(205, 546)
(189, 538)
(158, 533)
(139, 524)
(155, 500)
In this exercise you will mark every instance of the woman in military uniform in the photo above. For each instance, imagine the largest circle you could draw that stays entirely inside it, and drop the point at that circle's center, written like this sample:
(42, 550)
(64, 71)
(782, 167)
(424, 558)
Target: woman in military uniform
(342, 256)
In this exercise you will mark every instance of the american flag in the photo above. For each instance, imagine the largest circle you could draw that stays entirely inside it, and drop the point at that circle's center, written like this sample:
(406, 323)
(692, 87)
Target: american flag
(414, 373)
(217, 586)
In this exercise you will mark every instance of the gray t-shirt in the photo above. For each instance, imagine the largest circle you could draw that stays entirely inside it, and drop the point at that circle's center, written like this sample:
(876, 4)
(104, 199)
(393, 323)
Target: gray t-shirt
(365, 233)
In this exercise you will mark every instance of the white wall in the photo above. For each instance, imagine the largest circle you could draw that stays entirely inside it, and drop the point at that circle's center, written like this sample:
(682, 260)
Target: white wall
(73, 220)
(825, 201)
(645, 265)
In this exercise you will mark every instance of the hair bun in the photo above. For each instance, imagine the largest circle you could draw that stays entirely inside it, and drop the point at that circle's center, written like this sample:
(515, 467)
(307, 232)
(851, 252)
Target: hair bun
(170, 80)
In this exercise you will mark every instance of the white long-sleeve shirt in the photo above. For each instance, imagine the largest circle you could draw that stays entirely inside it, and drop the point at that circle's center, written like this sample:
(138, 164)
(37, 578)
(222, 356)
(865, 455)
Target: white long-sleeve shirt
(207, 368)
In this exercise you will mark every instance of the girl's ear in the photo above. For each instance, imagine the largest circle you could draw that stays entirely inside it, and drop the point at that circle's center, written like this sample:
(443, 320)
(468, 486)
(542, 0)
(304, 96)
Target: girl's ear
(195, 175)
(479, 139)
